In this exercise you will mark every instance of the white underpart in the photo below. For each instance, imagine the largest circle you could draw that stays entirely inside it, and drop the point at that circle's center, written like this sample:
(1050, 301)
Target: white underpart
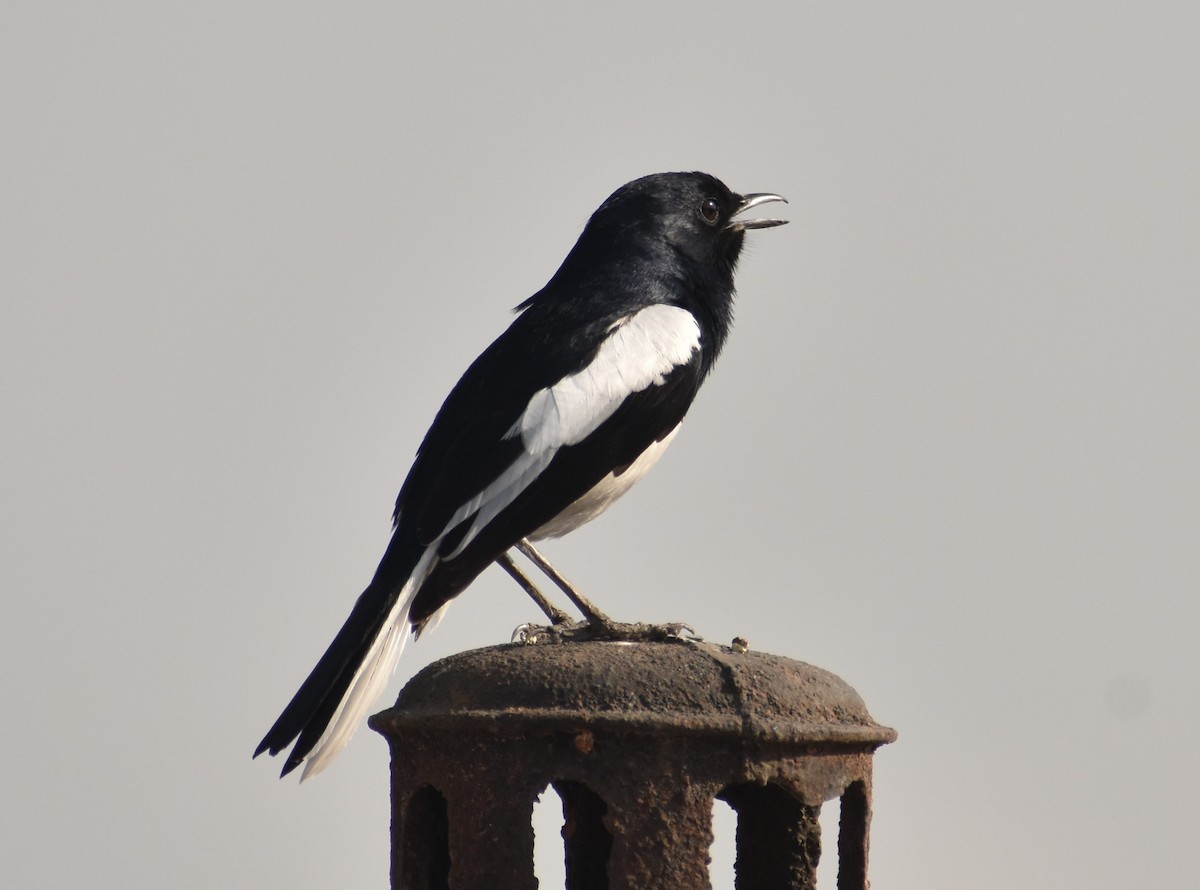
(639, 352)
(605, 493)
(372, 675)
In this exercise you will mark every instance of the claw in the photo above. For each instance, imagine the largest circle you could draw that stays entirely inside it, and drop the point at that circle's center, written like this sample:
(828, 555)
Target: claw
(680, 631)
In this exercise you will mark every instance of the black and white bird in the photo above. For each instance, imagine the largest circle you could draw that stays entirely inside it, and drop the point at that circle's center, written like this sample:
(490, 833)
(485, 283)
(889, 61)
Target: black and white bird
(558, 418)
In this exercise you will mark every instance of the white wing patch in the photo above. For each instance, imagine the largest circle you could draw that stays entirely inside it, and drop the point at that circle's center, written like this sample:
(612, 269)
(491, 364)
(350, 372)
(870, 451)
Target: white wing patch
(502, 492)
(639, 352)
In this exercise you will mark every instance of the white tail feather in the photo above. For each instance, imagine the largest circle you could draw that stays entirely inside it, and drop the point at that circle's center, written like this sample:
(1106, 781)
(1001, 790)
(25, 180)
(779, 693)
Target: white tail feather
(372, 675)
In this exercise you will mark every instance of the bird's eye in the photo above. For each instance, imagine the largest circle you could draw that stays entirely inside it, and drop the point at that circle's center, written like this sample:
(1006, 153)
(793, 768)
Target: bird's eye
(710, 210)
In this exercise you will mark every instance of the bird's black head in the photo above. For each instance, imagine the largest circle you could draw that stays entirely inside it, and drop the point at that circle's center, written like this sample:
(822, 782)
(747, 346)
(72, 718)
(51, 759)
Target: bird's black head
(695, 215)
(666, 238)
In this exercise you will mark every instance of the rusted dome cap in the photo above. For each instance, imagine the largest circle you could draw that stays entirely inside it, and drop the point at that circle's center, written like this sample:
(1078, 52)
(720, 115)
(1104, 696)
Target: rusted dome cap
(634, 687)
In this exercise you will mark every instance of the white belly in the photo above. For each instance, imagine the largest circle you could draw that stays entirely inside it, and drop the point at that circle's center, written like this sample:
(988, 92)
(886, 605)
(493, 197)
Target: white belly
(604, 494)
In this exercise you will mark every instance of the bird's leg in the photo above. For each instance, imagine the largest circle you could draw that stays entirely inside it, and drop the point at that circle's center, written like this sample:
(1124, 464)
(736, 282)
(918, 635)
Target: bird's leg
(596, 619)
(556, 615)
(598, 626)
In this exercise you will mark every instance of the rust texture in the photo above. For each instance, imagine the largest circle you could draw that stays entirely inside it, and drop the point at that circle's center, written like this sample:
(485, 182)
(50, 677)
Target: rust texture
(638, 739)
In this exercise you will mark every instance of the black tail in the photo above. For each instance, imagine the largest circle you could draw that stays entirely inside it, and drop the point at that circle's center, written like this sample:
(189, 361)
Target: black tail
(312, 707)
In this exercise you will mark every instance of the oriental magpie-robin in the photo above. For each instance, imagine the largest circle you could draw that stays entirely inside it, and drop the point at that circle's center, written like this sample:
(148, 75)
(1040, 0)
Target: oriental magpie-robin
(558, 418)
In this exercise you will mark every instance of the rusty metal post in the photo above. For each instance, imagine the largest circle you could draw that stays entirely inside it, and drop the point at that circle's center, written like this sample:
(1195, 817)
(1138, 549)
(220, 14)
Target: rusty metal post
(638, 739)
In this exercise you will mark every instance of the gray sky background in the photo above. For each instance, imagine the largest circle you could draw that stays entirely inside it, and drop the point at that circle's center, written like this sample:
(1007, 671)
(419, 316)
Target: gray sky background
(950, 452)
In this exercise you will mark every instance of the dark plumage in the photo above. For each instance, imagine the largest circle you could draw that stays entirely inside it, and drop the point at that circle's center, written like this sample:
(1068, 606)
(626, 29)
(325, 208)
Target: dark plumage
(550, 425)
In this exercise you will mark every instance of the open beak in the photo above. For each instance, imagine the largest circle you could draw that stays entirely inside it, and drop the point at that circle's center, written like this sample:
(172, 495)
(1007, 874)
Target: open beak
(754, 200)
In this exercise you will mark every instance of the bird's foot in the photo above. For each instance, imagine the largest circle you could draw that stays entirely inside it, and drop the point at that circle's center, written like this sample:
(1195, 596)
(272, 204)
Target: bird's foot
(639, 632)
(537, 634)
(606, 630)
